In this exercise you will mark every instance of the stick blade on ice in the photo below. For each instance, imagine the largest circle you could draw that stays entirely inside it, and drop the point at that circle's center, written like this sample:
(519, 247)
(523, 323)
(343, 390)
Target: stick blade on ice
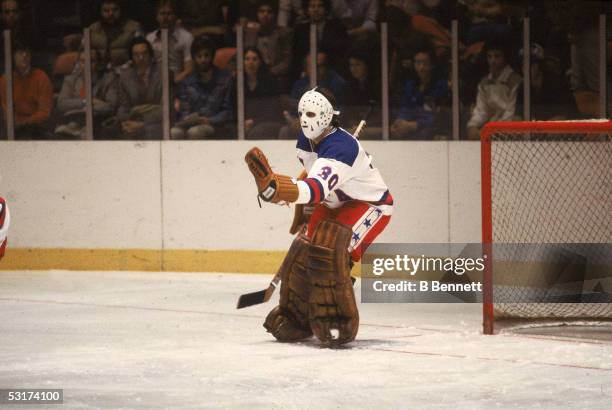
(253, 298)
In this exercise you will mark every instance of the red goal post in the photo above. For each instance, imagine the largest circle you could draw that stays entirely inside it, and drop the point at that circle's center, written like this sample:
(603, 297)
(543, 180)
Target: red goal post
(529, 167)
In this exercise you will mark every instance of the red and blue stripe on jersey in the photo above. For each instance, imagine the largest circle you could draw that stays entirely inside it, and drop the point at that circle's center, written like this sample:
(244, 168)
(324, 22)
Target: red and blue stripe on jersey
(317, 192)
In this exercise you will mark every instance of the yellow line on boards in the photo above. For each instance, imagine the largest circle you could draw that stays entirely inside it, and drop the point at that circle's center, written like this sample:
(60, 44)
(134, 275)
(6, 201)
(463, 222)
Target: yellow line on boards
(173, 260)
(238, 261)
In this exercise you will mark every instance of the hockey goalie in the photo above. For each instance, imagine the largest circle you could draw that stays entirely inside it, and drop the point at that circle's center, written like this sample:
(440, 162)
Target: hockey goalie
(351, 205)
(4, 225)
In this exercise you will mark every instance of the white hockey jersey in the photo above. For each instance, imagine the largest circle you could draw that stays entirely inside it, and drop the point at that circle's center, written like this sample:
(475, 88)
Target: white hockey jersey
(340, 170)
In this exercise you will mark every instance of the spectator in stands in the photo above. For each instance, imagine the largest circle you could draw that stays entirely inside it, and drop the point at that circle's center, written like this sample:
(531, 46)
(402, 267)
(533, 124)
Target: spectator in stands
(332, 37)
(583, 30)
(139, 111)
(417, 22)
(359, 16)
(326, 77)
(410, 7)
(262, 109)
(10, 19)
(434, 22)
(179, 41)
(481, 21)
(362, 94)
(424, 94)
(407, 34)
(32, 95)
(290, 13)
(207, 18)
(485, 19)
(272, 41)
(65, 62)
(401, 70)
(439, 10)
(247, 10)
(496, 98)
(551, 98)
(71, 101)
(142, 10)
(112, 34)
(205, 101)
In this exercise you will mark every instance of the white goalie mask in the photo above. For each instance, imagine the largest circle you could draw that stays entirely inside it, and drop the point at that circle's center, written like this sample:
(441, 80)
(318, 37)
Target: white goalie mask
(316, 113)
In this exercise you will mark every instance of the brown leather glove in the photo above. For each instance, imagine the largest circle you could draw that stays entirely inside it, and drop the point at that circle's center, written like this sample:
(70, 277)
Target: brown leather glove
(272, 187)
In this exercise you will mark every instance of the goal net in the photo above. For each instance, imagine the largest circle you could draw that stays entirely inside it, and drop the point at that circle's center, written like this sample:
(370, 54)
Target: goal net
(547, 221)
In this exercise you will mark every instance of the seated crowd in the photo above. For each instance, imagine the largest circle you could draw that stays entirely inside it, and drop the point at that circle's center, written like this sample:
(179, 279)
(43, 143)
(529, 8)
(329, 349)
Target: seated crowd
(126, 61)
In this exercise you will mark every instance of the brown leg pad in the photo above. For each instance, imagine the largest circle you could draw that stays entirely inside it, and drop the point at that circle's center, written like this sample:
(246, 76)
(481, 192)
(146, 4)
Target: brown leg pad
(332, 300)
(288, 322)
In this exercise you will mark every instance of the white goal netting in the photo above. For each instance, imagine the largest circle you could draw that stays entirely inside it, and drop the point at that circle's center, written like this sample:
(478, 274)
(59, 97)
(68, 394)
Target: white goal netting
(551, 223)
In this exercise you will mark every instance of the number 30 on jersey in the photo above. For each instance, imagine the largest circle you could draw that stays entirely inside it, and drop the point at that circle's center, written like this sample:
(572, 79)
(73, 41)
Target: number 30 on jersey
(325, 173)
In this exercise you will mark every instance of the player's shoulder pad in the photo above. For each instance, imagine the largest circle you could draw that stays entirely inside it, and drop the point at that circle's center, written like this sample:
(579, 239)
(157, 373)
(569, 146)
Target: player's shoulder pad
(303, 143)
(340, 146)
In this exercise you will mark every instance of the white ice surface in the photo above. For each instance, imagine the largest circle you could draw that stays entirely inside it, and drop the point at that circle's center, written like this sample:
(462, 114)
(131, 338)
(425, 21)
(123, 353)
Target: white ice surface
(175, 340)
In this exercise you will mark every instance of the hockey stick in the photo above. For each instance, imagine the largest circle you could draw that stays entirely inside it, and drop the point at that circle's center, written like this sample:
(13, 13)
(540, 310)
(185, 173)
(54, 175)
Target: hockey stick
(262, 296)
(364, 119)
(362, 124)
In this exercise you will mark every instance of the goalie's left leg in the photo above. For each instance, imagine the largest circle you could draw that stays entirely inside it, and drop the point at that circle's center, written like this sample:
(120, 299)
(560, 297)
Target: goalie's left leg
(288, 322)
(332, 305)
